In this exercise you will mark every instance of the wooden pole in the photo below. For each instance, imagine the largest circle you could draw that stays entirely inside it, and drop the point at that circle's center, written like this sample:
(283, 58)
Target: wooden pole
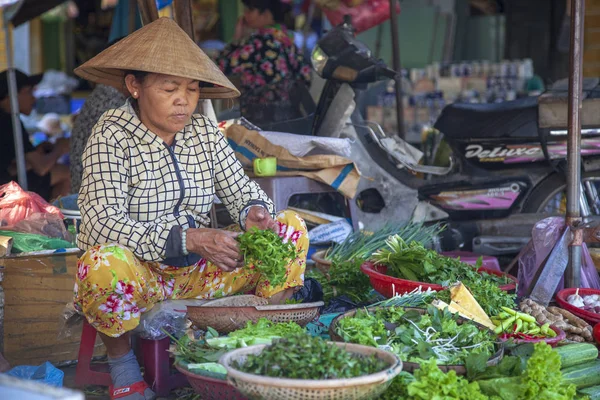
(183, 16)
(148, 11)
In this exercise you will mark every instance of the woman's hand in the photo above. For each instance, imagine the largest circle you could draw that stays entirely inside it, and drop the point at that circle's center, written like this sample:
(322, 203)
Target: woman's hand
(216, 246)
(241, 29)
(259, 217)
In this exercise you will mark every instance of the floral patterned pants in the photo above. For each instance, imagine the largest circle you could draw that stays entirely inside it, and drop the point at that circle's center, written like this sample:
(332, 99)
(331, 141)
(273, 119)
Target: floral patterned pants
(113, 287)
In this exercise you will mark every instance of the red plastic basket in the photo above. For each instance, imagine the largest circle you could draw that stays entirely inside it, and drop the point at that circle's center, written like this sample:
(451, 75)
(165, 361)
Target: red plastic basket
(211, 388)
(591, 318)
(389, 286)
(560, 336)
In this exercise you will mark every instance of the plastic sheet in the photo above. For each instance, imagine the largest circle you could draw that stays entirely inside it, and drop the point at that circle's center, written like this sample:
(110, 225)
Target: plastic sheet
(364, 16)
(16, 204)
(28, 242)
(544, 236)
(167, 316)
(69, 319)
(50, 225)
(45, 373)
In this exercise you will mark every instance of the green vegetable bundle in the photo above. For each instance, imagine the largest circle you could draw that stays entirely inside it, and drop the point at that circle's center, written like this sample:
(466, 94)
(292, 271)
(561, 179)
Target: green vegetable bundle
(417, 337)
(541, 378)
(412, 261)
(267, 253)
(307, 357)
(347, 257)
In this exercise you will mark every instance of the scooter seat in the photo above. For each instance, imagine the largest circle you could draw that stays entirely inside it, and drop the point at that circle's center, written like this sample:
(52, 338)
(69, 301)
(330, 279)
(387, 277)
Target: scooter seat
(511, 119)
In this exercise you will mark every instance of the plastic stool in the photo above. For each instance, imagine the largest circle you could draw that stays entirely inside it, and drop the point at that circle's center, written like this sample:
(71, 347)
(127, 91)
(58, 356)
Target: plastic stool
(155, 358)
(280, 189)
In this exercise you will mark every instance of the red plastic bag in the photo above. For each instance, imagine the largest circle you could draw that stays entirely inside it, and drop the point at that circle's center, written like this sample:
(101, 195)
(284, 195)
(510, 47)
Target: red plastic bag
(17, 204)
(364, 16)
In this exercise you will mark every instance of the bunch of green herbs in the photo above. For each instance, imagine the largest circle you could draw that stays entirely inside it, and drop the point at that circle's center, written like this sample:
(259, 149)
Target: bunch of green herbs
(267, 253)
(307, 357)
(417, 337)
(345, 276)
(414, 262)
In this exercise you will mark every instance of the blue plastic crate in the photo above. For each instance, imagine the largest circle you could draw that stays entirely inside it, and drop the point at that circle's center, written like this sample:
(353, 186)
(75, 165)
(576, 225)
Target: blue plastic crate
(320, 327)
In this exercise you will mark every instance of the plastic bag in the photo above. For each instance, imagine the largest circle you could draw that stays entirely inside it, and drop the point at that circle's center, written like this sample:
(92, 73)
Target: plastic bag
(17, 204)
(544, 236)
(45, 373)
(169, 316)
(310, 292)
(50, 225)
(364, 16)
(28, 242)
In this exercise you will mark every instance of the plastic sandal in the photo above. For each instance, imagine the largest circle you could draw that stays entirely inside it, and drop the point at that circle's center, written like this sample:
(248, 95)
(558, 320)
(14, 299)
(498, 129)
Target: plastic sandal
(118, 393)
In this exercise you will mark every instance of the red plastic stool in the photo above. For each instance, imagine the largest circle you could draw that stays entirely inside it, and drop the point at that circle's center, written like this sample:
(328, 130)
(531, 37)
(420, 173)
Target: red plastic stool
(155, 358)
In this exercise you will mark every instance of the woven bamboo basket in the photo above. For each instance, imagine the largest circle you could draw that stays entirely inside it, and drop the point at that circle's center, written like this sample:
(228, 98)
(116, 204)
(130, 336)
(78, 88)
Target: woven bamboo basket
(232, 313)
(266, 388)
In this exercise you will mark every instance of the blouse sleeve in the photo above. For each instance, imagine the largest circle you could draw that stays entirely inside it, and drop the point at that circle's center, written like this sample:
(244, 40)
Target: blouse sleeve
(232, 185)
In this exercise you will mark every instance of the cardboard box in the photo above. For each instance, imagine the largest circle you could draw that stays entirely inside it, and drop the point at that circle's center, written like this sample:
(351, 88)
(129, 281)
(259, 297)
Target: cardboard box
(37, 287)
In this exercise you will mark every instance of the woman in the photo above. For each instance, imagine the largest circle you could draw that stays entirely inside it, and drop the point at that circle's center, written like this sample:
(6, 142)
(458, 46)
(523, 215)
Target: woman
(151, 170)
(267, 56)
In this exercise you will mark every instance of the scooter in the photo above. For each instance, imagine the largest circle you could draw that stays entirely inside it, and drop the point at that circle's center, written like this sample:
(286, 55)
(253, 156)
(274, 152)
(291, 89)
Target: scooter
(505, 174)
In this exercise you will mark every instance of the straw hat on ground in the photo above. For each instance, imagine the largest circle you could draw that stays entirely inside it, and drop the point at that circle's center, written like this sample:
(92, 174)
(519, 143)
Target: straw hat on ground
(161, 47)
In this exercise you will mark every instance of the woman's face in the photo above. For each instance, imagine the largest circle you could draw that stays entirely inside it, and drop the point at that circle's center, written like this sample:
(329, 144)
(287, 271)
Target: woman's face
(166, 103)
(255, 19)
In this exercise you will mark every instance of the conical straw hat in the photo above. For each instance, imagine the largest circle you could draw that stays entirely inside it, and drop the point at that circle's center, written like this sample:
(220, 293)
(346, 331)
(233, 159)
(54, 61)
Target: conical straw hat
(161, 47)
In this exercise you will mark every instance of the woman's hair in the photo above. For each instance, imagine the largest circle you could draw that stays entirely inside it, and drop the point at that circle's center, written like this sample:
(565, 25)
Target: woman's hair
(279, 9)
(139, 75)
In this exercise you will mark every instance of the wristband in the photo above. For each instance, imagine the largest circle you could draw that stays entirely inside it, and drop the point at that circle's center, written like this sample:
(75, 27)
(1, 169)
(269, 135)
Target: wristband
(184, 241)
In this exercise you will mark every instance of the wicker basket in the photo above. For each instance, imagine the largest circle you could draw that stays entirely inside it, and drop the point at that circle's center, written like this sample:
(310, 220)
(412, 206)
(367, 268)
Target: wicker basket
(266, 388)
(211, 388)
(411, 366)
(225, 318)
(321, 263)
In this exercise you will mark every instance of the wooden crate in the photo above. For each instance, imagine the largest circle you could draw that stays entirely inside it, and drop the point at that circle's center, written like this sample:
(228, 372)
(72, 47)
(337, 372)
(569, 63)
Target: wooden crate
(37, 287)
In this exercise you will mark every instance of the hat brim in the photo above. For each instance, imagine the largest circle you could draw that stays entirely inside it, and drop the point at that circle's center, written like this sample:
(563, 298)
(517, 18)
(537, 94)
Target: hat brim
(35, 80)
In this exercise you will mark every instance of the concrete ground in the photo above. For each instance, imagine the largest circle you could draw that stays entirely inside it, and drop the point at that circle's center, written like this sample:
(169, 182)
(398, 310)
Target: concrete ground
(101, 393)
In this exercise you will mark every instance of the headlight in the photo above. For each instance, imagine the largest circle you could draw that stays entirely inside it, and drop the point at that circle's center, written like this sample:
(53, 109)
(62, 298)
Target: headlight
(319, 59)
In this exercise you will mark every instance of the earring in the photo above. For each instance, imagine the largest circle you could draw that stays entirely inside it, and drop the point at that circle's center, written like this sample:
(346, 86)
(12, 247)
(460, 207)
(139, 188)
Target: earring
(135, 95)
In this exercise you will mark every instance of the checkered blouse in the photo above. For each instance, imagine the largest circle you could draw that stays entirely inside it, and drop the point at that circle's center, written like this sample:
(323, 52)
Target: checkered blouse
(139, 192)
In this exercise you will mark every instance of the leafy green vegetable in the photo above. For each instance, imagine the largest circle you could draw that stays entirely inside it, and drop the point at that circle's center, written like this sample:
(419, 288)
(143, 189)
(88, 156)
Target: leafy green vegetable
(541, 379)
(292, 301)
(345, 276)
(415, 337)
(267, 253)
(416, 263)
(306, 357)
(265, 328)
(431, 383)
(195, 351)
(399, 387)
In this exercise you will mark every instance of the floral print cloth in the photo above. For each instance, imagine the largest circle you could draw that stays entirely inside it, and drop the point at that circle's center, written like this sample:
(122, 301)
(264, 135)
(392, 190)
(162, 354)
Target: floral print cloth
(267, 56)
(113, 287)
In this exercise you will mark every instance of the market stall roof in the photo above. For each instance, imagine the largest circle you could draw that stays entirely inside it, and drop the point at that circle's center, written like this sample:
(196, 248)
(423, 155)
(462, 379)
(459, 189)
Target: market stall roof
(33, 8)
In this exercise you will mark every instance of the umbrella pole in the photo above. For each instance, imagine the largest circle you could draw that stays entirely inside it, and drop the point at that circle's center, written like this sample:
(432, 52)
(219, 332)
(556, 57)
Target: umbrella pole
(14, 108)
(397, 68)
(573, 218)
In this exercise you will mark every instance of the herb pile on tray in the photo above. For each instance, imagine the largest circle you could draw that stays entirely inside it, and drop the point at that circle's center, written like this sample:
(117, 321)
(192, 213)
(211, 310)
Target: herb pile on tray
(345, 276)
(412, 261)
(417, 337)
(306, 357)
(267, 253)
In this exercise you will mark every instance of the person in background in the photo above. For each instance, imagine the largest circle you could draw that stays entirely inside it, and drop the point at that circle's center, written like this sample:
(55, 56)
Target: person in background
(102, 99)
(268, 55)
(44, 176)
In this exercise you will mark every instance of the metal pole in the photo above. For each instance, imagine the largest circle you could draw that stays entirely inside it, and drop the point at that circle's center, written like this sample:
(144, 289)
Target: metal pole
(397, 68)
(573, 273)
(14, 109)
